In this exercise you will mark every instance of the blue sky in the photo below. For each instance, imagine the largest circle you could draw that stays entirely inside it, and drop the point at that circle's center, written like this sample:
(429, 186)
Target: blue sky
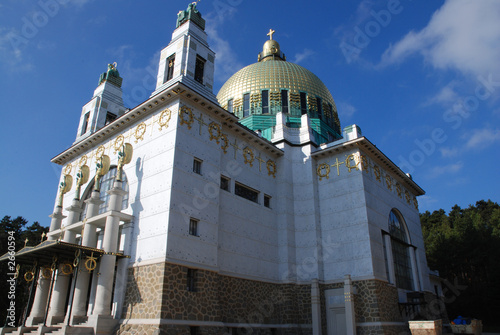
(421, 79)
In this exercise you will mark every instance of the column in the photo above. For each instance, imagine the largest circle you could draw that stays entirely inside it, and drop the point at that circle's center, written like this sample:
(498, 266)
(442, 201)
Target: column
(61, 286)
(43, 285)
(390, 259)
(316, 307)
(109, 245)
(414, 268)
(122, 271)
(89, 239)
(350, 313)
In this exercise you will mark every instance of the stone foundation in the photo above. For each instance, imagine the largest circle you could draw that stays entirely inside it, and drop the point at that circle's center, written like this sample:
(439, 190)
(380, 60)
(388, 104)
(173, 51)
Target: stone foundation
(160, 292)
(219, 304)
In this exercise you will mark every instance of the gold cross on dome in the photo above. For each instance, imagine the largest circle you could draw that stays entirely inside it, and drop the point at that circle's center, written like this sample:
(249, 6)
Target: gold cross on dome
(270, 34)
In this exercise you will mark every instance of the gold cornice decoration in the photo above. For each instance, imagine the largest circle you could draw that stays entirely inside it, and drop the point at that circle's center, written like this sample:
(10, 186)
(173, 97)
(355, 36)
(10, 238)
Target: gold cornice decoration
(361, 162)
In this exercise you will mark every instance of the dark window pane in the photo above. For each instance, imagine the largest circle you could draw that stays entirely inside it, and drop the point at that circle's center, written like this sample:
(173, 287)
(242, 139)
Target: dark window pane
(246, 192)
(303, 103)
(246, 104)
(230, 106)
(199, 69)
(284, 101)
(85, 123)
(320, 108)
(170, 67)
(267, 201)
(193, 227)
(265, 101)
(197, 166)
(224, 183)
(110, 117)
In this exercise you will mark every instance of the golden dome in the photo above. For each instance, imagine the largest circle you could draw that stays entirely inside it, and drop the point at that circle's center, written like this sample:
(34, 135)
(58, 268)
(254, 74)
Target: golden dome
(274, 73)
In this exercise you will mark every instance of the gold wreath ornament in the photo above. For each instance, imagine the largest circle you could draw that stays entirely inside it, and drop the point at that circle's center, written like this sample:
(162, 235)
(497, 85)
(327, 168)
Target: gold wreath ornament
(376, 171)
(271, 168)
(66, 269)
(165, 117)
(214, 127)
(388, 181)
(323, 167)
(91, 263)
(186, 110)
(83, 161)
(117, 145)
(398, 189)
(352, 157)
(225, 143)
(29, 276)
(140, 131)
(100, 152)
(248, 155)
(46, 273)
(68, 168)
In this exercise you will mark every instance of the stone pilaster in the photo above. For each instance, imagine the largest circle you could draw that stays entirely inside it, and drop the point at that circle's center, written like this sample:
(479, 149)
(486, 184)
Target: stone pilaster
(350, 312)
(316, 307)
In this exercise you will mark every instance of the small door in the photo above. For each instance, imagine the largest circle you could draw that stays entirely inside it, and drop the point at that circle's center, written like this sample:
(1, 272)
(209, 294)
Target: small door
(336, 321)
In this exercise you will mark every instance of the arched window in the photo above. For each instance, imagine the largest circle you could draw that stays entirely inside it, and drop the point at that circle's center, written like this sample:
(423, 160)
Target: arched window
(106, 184)
(400, 251)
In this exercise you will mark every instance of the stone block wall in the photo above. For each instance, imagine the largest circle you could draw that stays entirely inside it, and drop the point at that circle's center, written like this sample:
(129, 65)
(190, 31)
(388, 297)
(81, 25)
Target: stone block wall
(160, 292)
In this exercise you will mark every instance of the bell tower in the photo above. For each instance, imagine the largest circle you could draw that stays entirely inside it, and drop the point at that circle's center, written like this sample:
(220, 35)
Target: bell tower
(105, 106)
(188, 57)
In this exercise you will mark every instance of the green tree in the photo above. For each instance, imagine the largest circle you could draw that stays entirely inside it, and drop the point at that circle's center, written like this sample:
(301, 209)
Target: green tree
(464, 247)
(20, 231)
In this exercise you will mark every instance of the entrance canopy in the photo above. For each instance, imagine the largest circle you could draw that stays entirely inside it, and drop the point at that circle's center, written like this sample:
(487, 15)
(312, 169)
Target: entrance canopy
(44, 253)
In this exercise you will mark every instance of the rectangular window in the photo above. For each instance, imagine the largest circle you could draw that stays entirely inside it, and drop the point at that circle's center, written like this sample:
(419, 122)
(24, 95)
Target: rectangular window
(230, 106)
(265, 102)
(191, 280)
(110, 117)
(246, 192)
(303, 103)
(284, 101)
(170, 67)
(193, 227)
(246, 104)
(331, 123)
(85, 125)
(199, 69)
(267, 201)
(320, 108)
(224, 183)
(197, 165)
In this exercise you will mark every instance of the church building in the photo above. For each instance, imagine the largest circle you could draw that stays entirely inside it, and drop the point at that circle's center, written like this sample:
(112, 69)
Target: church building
(249, 211)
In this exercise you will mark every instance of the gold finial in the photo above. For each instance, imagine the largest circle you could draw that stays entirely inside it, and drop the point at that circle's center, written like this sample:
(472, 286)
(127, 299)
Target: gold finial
(25, 242)
(270, 34)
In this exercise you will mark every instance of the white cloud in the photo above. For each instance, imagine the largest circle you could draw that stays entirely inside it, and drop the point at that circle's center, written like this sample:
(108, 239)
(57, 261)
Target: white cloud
(11, 50)
(445, 96)
(463, 35)
(299, 57)
(481, 138)
(227, 62)
(445, 169)
(449, 152)
(345, 110)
